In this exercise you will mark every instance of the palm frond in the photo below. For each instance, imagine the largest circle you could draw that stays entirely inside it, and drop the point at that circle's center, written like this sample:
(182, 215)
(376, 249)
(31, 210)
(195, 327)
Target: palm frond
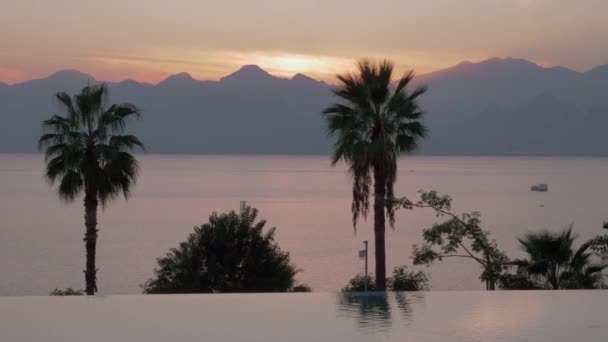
(117, 176)
(66, 103)
(54, 150)
(90, 102)
(57, 124)
(362, 180)
(114, 119)
(71, 185)
(556, 264)
(49, 140)
(125, 110)
(404, 81)
(55, 168)
(127, 142)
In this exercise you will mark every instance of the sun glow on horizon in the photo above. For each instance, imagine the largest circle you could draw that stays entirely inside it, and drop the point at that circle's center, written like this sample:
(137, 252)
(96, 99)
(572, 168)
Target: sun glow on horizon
(157, 65)
(153, 66)
(287, 65)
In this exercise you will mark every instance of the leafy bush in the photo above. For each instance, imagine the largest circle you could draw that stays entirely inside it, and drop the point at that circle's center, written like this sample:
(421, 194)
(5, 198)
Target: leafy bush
(404, 280)
(301, 288)
(401, 280)
(357, 283)
(229, 254)
(66, 292)
(517, 281)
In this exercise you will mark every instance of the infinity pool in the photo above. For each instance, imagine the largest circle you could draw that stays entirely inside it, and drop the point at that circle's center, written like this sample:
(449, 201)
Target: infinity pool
(579, 316)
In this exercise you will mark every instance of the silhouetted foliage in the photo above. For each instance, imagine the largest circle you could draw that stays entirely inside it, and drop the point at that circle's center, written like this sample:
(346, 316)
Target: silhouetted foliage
(599, 244)
(554, 263)
(401, 280)
(357, 283)
(460, 236)
(86, 151)
(231, 253)
(301, 288)
(374, 123)
(68, 291)
(516, 281)
(404, 280)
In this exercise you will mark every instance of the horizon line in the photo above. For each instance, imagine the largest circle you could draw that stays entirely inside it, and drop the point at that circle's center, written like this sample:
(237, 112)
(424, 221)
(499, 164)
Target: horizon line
(464, 62)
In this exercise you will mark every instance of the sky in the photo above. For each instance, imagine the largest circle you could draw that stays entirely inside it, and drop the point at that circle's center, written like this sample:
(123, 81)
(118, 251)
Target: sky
(148, 40)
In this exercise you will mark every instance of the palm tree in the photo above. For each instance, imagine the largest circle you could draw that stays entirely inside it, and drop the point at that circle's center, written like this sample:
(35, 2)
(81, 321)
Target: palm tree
(554, 263)
(85, 150)
(374, 123)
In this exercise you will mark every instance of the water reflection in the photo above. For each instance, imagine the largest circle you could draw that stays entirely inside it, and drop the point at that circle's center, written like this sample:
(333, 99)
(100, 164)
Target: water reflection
(372, 312)
(405, 301)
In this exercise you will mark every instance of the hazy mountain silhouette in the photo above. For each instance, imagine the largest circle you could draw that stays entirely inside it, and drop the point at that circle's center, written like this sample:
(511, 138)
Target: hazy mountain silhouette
(178, 80)
(542, 126)
(498, 106)
(249, 75)
(467, 87)
(513, 106)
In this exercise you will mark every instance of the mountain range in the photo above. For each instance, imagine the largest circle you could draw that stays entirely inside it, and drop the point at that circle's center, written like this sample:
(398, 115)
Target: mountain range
(501, 106)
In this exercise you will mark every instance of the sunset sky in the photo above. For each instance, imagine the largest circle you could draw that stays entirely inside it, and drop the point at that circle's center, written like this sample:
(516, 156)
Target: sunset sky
(148, 40)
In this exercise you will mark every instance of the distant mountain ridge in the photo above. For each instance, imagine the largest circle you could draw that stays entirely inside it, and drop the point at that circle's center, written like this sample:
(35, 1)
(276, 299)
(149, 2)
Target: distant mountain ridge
(497, 106)
(495, 63)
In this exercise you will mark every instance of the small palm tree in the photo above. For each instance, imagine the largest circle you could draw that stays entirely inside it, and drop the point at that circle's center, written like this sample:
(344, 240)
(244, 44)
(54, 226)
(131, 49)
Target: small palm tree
(554, 263)
(85, 151)
(374, 123)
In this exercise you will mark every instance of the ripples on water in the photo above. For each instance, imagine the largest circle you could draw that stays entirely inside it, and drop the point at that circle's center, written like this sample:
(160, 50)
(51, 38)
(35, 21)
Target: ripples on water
(456, 316)
(478, 316)
(373, 312)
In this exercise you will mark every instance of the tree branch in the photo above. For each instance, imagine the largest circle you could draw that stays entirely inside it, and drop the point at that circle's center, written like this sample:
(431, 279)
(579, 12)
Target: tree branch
(456, 255)
(471, 254)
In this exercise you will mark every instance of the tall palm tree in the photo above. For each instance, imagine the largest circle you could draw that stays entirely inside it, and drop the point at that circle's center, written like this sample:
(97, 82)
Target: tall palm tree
(86, 151)
(374, 122)
(554, 263)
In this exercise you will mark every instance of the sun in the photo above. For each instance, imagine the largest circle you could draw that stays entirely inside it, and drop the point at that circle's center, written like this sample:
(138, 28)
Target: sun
(297, 63)
(287, 65)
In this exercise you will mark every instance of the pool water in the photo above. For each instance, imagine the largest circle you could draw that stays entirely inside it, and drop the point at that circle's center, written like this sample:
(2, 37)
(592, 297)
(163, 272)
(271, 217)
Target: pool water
(416, 316)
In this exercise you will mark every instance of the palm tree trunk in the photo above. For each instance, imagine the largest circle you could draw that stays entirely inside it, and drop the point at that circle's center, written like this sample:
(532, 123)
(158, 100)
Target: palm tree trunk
(90, 240)
(380, 228)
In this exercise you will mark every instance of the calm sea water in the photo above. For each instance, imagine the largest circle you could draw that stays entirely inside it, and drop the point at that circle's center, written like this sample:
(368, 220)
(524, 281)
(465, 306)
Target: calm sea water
(41, 238)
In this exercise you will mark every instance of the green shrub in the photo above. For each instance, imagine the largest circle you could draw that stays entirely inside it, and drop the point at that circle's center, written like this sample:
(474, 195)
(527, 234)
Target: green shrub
(516, 281)
(66, 292)
(301, 288)
(357, 283)
(404, 280)
(231, 253)
(401, 280)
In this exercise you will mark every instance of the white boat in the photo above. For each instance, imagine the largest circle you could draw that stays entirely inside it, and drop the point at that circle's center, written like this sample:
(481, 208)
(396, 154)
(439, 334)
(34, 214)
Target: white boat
(540, 187)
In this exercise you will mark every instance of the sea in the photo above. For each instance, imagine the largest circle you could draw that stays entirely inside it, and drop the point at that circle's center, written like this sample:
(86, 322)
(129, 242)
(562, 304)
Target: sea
(307, 200)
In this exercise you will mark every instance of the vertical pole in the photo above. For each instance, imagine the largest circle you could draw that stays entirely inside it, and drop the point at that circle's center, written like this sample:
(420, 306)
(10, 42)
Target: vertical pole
(366, 278)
